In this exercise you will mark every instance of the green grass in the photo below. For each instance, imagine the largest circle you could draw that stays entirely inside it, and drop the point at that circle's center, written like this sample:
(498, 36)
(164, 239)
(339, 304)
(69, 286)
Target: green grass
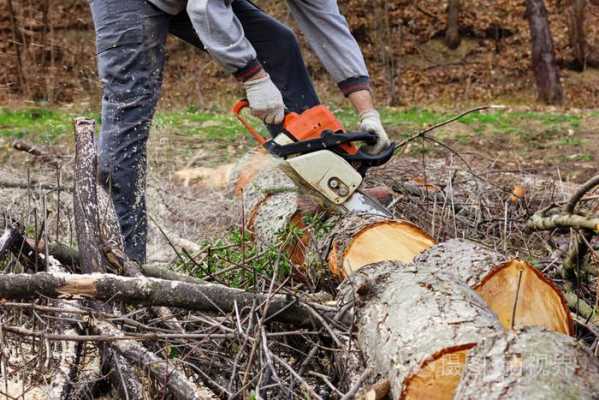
(48, 125)
(42, 124)
(570, 141)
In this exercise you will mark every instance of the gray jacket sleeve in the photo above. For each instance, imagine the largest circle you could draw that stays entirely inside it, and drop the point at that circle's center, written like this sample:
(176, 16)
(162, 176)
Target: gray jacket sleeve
(329, 36)
(221, 33)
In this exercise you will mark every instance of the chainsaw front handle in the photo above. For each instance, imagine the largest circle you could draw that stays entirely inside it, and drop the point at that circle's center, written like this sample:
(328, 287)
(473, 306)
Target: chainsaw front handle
(237, 108)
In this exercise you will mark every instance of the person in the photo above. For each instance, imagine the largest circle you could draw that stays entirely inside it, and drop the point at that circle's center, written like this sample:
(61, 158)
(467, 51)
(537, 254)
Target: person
(262, 53)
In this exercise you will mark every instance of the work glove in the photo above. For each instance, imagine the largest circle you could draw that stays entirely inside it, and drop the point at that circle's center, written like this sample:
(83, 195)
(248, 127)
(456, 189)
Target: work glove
(370, 121)
(266, 101)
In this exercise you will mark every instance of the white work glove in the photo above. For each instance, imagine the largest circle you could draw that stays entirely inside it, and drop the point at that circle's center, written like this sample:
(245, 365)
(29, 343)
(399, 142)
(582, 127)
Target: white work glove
(266, 101)
(370, 121)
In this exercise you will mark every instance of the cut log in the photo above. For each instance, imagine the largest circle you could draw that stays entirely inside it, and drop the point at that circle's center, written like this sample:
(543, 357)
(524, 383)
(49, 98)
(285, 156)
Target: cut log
(246, 168)
(407, 315)
(273, 206)
(532, 364)
(416, 311)
(514, 290)
(359, 240)
(438, 372)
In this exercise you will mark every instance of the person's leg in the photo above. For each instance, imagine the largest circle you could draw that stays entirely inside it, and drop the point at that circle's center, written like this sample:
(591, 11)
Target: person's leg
(130, 37)
(279, 53)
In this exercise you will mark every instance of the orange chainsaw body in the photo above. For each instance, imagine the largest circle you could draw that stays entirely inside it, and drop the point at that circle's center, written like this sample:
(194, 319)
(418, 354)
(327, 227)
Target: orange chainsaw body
(305, 126)
(311, 123)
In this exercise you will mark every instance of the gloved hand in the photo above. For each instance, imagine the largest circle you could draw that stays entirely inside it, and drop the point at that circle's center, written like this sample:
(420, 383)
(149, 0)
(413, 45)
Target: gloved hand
(266, 101)
(370, 121)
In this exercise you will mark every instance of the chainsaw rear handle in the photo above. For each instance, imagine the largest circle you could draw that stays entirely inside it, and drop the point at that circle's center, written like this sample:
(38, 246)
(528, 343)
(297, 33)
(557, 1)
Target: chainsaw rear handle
(237, 108)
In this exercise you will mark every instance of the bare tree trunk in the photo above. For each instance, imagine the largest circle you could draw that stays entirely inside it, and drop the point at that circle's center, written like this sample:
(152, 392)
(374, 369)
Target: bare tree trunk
(17, 42)
(585, 55)
(85, 199)
(452, 34)
(543, 54)
(386, 43)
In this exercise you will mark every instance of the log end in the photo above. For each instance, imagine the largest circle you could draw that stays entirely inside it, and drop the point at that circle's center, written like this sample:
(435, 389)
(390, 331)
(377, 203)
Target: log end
(381, 240)
(438, 377)
(522, 296)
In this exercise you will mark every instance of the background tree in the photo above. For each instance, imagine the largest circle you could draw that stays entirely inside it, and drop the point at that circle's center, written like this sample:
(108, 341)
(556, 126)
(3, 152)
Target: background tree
(585, 55)
(545, 67)
(452, 34)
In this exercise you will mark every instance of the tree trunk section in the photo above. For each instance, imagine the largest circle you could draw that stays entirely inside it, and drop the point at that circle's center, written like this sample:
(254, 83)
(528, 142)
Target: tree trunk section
(452, 34)
(408, 315)
(544, 64)
(85, 198)
(440, 280)
(527, 365)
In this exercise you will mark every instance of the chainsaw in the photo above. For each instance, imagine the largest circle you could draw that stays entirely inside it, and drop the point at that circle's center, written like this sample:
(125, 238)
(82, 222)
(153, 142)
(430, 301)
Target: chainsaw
(320, 156)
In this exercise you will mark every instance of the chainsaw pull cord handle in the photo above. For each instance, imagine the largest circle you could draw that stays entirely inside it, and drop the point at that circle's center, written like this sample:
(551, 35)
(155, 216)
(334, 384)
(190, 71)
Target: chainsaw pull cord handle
(237, 108)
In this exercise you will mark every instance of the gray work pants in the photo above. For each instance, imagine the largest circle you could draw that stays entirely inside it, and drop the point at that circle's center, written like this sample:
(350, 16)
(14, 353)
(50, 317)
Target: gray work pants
(130, 42)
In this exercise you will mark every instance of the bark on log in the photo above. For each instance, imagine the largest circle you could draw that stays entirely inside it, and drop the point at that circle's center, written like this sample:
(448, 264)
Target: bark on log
(544, 63)
(511, 290)
(272, 205)
(532, 364)
(155, 292)
(412, 316)
(245, 170)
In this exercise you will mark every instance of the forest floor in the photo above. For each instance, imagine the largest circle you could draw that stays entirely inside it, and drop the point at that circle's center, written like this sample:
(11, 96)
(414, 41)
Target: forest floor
(554, 144)
(476, 162)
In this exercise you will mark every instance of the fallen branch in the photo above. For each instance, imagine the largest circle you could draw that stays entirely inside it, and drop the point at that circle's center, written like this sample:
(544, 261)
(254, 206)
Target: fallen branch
(163, 373)
(156, 292)
(10, 184)
(584, 189)
(540, 222)
(137, 336)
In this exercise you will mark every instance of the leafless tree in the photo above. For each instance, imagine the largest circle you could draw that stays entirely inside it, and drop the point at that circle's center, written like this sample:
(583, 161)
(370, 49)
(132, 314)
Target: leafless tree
(585, 55)
(452, 34)
(544, 63)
